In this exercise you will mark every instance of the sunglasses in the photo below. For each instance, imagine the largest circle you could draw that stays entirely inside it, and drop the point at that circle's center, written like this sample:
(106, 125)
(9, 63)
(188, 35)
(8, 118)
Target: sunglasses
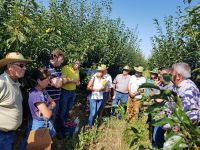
(20, 65)
(154, 77)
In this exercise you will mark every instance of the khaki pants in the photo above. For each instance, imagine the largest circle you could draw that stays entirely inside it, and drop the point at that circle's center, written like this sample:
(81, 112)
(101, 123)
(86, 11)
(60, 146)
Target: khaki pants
(133, 107)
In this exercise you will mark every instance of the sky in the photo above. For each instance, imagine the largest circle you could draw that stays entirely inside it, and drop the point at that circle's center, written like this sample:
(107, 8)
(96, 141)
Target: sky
(142, 12)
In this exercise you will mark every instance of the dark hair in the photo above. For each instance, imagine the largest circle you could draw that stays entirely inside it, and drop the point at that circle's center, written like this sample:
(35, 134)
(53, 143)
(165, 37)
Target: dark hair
(40, 73)
(57, 53)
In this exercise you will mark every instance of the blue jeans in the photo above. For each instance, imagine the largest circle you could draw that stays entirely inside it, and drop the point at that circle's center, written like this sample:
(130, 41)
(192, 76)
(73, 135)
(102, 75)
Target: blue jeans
(158, 136)
(55, 112)
(66, 102)
(122, 97)
(94, 108)
(7, 140)
(105, 99)
(36, 124)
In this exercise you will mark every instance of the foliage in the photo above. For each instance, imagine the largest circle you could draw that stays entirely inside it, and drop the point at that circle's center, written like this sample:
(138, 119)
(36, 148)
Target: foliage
(86, 137)
(179, 42)
(183, 132)
(136, 134)
(82, 29)
(120, 111)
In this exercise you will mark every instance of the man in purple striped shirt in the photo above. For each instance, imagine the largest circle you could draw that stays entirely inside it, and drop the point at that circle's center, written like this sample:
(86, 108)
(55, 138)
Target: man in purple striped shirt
(187, 90)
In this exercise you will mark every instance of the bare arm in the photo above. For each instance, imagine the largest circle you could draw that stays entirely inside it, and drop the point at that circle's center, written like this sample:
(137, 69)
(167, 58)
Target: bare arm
(44, 110)
(52, 104)
(57, 82)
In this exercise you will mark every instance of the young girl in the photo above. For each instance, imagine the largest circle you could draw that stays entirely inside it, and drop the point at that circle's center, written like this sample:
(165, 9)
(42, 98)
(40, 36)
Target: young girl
(40, 103)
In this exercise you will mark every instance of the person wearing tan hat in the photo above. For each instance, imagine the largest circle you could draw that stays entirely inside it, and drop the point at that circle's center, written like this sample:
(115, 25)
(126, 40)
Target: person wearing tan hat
(120, 85)
(133, 103)
(107, 91)
(14, 65)
(97, 85)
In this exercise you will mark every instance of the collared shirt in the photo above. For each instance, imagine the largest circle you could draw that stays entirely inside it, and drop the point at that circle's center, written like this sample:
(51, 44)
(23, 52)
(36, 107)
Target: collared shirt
(122, 82)
(135, 82)
(10, 103)
(54, 92)
(190, 96)
(70, 74)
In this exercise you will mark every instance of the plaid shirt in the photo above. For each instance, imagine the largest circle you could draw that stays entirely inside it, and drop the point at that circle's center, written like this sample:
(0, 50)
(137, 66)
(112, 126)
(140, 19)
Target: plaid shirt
(190, 96)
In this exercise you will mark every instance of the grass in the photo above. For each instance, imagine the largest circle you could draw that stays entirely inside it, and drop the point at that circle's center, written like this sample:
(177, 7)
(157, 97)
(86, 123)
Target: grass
(110, 136)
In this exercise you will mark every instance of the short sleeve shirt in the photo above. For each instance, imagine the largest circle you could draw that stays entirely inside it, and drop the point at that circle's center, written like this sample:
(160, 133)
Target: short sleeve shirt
(36, 96)
(122, 82)
(54, 92)
(71, 74)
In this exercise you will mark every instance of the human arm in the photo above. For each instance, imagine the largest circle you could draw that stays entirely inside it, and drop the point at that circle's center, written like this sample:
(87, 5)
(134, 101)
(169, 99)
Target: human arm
(57, 82)
(44, 110)
(52, 104)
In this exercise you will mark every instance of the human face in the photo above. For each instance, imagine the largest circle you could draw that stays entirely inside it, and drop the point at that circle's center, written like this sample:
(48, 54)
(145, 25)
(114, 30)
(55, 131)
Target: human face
(176, 78)
(58, 61)
(125, 72)
(76, 65)
(43, 83)
(17, 70)
(99, 73)
(154, 77)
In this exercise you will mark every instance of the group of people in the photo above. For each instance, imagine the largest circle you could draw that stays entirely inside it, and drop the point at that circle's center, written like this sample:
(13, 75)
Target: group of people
(54, 93)
(50, 100)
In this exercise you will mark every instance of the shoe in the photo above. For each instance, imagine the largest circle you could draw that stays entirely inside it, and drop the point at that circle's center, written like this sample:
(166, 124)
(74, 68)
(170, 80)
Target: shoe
(70, 124)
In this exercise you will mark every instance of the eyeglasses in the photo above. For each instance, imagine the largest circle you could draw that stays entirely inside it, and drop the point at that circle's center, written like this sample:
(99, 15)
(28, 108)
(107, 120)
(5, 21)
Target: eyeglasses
(20, 65)
(154, 78)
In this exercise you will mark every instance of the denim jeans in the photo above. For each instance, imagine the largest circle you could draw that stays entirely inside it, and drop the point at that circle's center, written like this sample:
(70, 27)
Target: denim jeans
(105, 99)
(122, 97)
(7, 140)
(55, 112)
(158, 136)
(94, 108)
(36, 124)
(66, 102)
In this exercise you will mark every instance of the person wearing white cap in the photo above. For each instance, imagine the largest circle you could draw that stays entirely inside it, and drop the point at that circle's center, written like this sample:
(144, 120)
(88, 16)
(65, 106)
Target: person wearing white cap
(133, 103)
(11, 97)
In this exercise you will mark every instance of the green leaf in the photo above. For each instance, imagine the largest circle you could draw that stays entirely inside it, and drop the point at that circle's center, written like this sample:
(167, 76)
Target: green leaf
(149, 85)
(163, 122)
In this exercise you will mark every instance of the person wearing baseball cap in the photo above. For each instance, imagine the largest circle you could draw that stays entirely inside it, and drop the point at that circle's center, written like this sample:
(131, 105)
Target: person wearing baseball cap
(14, 65)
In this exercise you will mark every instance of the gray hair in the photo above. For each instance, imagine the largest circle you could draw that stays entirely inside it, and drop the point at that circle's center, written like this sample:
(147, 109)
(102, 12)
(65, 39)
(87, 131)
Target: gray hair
(182, 69)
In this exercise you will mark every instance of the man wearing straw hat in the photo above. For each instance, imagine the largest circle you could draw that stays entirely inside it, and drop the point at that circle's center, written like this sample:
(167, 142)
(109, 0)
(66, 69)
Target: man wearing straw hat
(133, 103)
(10, 97)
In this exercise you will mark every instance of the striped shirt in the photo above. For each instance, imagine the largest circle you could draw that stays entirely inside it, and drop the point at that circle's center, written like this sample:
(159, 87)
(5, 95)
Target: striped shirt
(54, 92)
(190, 96)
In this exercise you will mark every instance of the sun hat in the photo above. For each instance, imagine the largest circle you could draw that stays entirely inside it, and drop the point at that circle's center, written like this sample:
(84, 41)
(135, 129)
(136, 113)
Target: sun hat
(126, 68)
(100, 68)
(13, 57)
(104, 66)
(155, 71)
(139, 69)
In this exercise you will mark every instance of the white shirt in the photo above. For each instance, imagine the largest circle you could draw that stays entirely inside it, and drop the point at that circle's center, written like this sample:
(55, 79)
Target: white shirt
(108, 79)
(135, 82)
(98, 84)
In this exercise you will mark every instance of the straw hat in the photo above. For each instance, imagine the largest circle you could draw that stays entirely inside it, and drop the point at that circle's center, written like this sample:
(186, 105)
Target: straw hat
(13, 57)
(126, 68)
(100, 68)
(139, 69)
(104, 66)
